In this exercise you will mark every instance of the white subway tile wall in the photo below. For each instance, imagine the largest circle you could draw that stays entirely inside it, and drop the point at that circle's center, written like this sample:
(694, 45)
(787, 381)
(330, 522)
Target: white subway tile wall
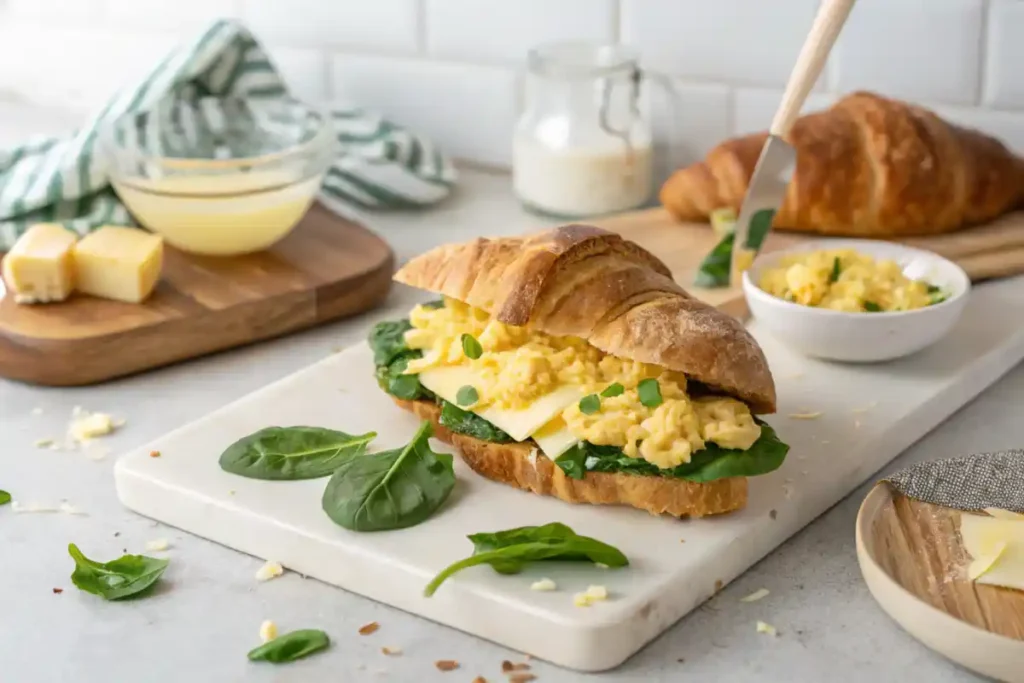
(452, 68)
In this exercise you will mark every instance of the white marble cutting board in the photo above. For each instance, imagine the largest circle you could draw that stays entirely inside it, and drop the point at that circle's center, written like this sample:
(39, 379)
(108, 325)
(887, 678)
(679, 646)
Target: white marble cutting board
(869, 415)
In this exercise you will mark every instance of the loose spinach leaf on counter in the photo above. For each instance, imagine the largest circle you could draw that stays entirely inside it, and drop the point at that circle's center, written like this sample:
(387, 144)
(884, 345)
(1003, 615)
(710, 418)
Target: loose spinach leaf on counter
(387, 340)
(714, 269)
(121, 578)
(390, 490)
(290, 453)
(464, 422)
(708, 464)
(4, 497)
(509, 551)
(290, 646)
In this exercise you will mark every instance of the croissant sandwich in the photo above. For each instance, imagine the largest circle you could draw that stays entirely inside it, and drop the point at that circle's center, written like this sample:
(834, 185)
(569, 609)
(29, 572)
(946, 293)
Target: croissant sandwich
(868, 166)
(570, 364)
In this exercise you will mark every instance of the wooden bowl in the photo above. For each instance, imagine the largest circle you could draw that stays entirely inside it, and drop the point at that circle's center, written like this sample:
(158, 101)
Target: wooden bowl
(916, 568)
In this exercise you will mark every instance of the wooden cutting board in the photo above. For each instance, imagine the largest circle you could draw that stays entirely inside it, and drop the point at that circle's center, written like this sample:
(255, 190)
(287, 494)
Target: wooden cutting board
(989, 251)
(325, 269)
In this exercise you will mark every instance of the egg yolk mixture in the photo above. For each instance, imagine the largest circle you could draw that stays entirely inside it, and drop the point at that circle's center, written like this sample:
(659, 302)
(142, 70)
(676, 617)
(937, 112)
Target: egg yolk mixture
(845, 280)
(517, 366)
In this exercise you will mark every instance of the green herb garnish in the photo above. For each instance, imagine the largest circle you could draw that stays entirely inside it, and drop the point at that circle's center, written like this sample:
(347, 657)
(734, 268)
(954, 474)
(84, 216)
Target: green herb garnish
(650, 392)
(387, 339)
(4, 497)
(714, 269)
(836, 269)
(471, 347)
(613, 390)
(390, 490)
(708, 464)
(121, 578)
(508, 552)
(290, 646)
(466, 396)
(872, 307)
(290, 453)
(464, 422)
(590, 404)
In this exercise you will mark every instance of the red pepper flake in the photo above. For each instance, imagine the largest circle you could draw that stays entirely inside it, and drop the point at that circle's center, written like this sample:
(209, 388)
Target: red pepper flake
(367, 629)
(446, 665)
(58, 591)
(521, 678)
(154, 454)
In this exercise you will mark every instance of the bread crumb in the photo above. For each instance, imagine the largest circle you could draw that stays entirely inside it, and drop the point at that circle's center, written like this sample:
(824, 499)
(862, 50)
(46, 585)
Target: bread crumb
(479, 679)
(58, 591)
(157, 545)
(773, 514)
(392, 651)
(521, 678)
(507, 666)
(544, 584)
(756, 595)
(268, 631)
(270, 570)
(154, 454)
(810, 415)
(718, 585)
(682, 540)
(767, 629)
(446, 665)
(597, 593)
(367, 629)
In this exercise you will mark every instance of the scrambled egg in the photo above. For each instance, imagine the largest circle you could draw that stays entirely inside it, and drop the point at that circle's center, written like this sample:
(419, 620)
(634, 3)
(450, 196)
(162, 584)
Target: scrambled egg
(844, 280)
(519, 365)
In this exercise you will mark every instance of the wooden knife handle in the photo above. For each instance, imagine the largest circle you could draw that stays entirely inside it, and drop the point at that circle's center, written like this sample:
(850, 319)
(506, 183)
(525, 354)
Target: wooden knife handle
(827, 24)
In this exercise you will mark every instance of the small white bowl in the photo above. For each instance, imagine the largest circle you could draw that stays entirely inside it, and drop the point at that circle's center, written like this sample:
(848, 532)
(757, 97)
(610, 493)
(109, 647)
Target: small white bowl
(860, 337)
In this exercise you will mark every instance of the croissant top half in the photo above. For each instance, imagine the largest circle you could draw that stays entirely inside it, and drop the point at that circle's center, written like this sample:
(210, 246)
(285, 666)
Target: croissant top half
(582, 281)
(868, 166)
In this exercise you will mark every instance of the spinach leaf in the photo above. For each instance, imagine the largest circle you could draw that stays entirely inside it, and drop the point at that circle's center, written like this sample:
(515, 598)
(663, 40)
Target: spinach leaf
(290, 646)
(708, 464)
(121, 578)
(4, 497)
(390, 490)
(714, 269)
(471, 347)
(387, 340)
(649, 392)
(872, 307)
(836, 270)
(464, 422)
(392, 379)
(590, 404)
(466, 396)
(509, 551)
(289, 453)
(613, 390)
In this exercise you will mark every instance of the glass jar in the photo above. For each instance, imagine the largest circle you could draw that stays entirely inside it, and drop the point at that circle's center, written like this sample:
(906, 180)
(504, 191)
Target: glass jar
(581, 147)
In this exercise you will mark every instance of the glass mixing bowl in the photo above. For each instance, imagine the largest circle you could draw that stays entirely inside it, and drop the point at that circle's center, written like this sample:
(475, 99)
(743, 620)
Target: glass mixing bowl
(220, 176)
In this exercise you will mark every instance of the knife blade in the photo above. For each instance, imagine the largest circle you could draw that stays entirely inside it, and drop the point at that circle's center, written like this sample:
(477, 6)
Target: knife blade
(777, 163)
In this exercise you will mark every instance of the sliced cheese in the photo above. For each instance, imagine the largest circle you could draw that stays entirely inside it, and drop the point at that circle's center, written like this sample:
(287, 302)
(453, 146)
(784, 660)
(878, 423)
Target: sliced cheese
(520, 424)
(554, 438)
(999, 543)
(39, 267)
(118, 263)
(1004, 514)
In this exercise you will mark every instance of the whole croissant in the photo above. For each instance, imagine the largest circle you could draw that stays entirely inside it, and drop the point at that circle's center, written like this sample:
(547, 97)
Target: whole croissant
(868, 166)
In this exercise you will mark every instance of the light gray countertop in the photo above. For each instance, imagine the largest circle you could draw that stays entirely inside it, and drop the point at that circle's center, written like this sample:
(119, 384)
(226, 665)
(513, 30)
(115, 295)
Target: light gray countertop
(199, 626)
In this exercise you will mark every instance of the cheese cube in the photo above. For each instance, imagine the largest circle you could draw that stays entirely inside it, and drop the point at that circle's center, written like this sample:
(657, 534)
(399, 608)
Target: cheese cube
(118, 263)
(39, 267)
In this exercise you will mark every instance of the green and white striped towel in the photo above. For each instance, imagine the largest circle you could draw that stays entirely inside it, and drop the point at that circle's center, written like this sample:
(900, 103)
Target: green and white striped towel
(65, 179)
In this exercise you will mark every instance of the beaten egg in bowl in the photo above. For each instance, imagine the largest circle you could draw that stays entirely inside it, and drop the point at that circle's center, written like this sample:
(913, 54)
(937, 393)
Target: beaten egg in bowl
(561, 391)
(846, 280)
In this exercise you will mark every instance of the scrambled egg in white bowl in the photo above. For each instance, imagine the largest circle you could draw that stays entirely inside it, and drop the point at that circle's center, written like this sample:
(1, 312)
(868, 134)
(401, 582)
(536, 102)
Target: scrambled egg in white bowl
(856, 300)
